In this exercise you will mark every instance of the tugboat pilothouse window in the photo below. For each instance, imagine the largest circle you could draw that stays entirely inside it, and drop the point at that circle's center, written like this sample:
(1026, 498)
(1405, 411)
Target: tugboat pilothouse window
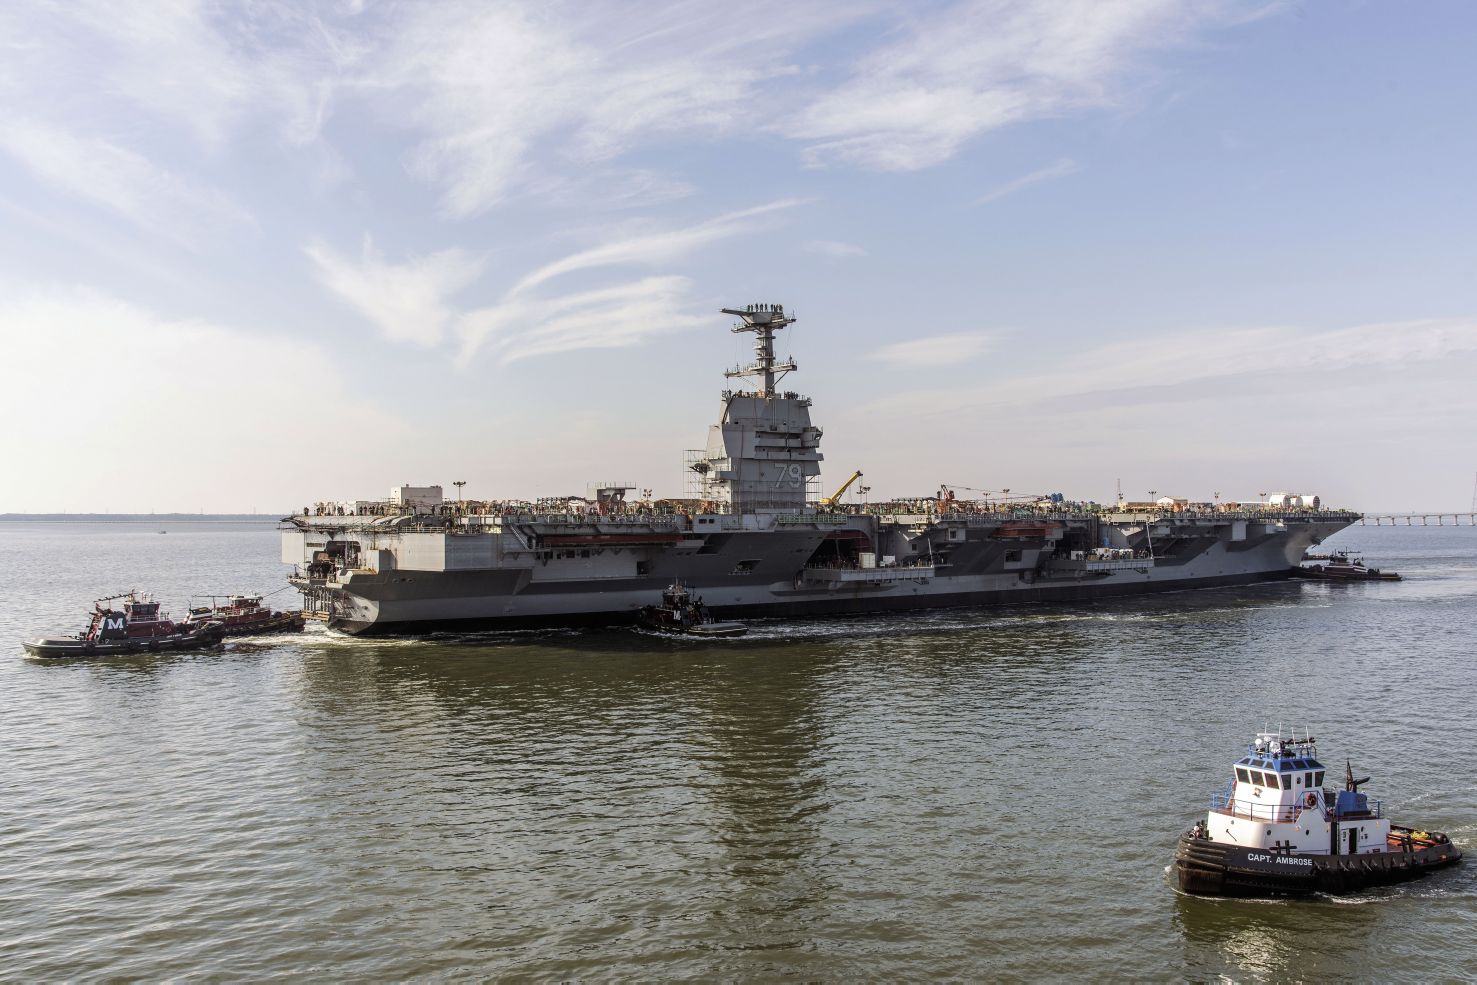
(1242, 775)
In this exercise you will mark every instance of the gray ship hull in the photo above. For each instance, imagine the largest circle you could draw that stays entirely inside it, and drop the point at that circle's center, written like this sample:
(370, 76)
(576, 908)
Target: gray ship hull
(402, 618)
(399, 601)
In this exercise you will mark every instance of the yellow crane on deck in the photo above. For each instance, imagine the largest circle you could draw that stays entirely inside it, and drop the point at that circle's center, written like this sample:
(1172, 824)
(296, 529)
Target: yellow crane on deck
(830, 501)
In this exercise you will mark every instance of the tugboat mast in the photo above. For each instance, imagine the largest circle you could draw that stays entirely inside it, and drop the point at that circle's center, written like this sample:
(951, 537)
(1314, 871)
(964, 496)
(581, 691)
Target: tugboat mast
(763, 320)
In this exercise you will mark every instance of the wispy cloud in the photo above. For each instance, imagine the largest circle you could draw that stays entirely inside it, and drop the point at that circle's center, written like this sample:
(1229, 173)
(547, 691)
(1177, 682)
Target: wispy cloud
(489, 89)
(609, 189)
(1058, 169)
(936, 350)
(535, 98)
(523, 324)
(408, 301)
(834, 248)
(201, 67)
(968, 68)
(1150, 368)
(655, 247)
(117, 179)
(606, 318)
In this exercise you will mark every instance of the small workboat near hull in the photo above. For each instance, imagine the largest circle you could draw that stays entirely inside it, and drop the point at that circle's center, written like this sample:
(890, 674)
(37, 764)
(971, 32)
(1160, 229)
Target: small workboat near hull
(73, 646)
(1323, 573)
(682, 615)
(718, 629)
(1341, 566)
(246, 615)
(281, 622)
(1210, 868)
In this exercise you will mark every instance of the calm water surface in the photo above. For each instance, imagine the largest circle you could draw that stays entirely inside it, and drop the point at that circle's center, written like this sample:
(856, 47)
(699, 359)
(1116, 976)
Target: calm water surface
(963, 794)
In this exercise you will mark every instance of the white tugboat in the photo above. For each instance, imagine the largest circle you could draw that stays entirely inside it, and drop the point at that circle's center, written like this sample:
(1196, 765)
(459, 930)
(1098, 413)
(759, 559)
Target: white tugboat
(1276, 831)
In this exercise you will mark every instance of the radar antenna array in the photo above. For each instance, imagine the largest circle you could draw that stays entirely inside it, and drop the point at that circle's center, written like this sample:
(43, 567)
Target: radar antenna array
(763, 320)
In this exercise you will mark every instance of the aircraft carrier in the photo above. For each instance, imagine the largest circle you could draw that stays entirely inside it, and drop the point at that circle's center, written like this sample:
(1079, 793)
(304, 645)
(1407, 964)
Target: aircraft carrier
(755, 539)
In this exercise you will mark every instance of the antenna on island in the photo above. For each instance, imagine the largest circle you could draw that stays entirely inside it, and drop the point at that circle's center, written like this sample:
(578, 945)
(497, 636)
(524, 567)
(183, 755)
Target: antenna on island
(1474, 492)
(763, 320)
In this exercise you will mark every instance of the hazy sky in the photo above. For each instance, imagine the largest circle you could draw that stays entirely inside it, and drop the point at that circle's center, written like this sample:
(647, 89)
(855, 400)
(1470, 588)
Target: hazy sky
(256, 255)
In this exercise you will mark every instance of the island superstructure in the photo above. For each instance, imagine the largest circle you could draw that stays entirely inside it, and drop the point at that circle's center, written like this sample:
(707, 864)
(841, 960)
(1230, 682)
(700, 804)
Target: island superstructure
(757, 539)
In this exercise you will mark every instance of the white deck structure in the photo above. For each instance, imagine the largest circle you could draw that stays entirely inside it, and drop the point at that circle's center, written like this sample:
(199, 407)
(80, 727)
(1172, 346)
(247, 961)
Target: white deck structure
(1276, 800)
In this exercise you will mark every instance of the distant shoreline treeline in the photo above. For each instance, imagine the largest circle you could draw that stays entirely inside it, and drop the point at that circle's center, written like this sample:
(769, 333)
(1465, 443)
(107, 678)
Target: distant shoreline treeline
(142, 517)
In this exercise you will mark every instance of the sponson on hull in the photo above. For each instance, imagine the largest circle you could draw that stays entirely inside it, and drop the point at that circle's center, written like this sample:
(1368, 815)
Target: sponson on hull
(1276, 831)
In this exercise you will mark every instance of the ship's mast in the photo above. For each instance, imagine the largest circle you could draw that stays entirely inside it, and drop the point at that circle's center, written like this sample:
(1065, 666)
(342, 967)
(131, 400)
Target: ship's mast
(763, 320)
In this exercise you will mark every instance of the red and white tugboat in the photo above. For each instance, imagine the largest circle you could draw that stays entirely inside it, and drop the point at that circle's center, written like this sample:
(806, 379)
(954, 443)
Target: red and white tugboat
(1277, 832)
(244, 615)
(137, 627)
(681, 613)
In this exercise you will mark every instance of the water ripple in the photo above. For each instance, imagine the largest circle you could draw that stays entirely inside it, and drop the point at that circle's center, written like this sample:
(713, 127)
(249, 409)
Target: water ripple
(961, 794)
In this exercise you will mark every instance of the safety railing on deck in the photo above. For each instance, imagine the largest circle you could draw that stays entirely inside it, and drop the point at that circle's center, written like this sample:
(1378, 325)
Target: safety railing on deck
(1278, 812)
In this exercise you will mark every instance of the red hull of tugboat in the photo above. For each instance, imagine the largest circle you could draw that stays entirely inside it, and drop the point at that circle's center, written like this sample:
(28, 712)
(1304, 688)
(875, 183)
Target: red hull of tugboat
(245, 615)
(1209, 868)
(278, 622)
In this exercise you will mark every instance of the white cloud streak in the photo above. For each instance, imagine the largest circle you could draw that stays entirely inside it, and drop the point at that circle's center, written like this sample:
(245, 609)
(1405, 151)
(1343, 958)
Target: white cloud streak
(408, 301)
(533, 98)
(1059, 169)
(1145, 370)
(523, 325)
(937, 350)
(606, 318)
(102, 173)
(969, 68)
(490, 89)
(203, 67)
(655, 247)
(834, 248)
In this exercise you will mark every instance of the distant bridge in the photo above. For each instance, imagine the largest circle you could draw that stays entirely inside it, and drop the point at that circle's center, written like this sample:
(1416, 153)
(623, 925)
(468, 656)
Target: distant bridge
(1420, 519)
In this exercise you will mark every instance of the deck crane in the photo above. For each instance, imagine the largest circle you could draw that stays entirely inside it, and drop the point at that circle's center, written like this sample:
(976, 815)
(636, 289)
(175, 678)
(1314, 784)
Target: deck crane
(830, 501)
